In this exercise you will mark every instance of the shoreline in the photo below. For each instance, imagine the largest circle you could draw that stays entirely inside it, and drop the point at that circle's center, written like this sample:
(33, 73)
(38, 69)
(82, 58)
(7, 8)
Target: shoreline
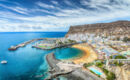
(74, 74)
(89, 55)
(54, 70)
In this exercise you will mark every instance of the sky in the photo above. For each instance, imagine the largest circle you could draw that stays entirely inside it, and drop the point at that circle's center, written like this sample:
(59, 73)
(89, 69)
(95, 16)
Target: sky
(59, 15)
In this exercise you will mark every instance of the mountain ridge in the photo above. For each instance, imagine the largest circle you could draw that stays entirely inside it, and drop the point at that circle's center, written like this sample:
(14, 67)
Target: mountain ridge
(121, 27)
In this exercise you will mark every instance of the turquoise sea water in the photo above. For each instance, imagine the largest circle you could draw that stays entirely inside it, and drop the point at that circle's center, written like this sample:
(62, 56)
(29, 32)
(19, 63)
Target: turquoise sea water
(28, 63)
(67, 53)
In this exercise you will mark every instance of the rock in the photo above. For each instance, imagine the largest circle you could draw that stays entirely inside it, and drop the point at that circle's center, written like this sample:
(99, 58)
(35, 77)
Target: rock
(113, 28)
(122, 73)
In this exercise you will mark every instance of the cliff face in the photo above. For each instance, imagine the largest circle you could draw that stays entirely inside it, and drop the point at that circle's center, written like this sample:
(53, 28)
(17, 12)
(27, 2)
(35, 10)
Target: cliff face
(113, 28)
(122, 73)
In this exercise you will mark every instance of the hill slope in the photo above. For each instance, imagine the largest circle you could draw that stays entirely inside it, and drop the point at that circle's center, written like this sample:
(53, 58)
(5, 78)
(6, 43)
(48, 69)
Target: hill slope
(113, 28)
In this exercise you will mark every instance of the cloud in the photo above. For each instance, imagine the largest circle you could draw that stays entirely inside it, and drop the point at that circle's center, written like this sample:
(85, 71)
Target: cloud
(43, 5)
(68, 2)
(59, 20)
(55, 2)
(40, 10)
(16, 9)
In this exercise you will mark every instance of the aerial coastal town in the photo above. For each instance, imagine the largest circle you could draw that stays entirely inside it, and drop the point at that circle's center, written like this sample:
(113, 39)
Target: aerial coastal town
(64, 39)
(105, 57)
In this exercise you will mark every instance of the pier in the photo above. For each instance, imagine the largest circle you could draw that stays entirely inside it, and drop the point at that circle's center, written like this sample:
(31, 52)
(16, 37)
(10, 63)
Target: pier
(13, 48)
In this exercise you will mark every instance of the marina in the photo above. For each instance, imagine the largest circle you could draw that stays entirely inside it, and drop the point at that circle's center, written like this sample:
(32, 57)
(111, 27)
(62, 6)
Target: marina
(54, 43)
(54, 47)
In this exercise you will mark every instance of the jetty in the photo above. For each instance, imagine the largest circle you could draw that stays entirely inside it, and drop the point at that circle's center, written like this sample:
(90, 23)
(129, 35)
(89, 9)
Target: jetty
(13, 48)
(54, 68)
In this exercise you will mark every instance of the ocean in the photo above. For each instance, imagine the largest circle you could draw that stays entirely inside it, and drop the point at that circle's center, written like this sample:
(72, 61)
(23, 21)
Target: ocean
(28, 63)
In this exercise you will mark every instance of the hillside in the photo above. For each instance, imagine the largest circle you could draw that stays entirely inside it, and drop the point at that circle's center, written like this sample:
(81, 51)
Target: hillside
(113, 28)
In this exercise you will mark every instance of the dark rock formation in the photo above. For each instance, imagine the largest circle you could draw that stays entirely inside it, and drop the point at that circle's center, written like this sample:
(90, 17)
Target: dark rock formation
(113, 28)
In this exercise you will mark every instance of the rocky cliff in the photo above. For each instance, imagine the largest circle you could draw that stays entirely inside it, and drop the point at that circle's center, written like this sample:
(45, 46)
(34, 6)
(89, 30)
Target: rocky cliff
(113, 28)
(122, 73)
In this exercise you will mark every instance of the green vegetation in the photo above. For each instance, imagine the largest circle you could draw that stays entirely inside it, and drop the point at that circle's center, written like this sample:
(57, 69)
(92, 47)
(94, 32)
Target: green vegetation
(126, 39)
(83, 41)
(110, 75)
(60, 43)
(118, 38)
(71, 41)
(66, 42)
(118, 63)
(41, 46)
(47, 47)
(87, 65)
(94, 73)
(120, 57)
(99, 64)
(111, 57)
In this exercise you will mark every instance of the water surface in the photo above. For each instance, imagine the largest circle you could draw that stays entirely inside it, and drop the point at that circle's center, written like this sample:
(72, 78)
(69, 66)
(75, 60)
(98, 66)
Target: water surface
(28, 63)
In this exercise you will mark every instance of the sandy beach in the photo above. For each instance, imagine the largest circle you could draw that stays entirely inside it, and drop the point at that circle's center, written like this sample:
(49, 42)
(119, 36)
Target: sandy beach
(89, 54)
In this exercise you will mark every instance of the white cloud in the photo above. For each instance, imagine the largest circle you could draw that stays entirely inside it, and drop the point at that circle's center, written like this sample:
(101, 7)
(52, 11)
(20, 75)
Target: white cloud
(40, 10)
(68, 2)
(54, 2)
(44, 5)
(65, 17)
(16, 9)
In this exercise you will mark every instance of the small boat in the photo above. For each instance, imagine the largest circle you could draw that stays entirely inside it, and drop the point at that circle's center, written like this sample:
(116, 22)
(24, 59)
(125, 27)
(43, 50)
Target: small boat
(4, 62)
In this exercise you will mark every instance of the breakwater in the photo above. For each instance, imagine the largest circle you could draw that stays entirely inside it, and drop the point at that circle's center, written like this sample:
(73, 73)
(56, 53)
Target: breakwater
(13, 48)
(55, 70)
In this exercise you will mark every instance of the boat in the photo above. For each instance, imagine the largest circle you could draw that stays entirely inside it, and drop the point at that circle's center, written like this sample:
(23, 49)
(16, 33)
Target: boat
(4, 62)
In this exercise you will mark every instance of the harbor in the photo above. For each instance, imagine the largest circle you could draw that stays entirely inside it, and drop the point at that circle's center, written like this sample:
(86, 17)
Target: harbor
(52, 43)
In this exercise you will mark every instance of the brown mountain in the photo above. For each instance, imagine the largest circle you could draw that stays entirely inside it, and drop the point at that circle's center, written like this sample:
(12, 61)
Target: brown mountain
(113, 28)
